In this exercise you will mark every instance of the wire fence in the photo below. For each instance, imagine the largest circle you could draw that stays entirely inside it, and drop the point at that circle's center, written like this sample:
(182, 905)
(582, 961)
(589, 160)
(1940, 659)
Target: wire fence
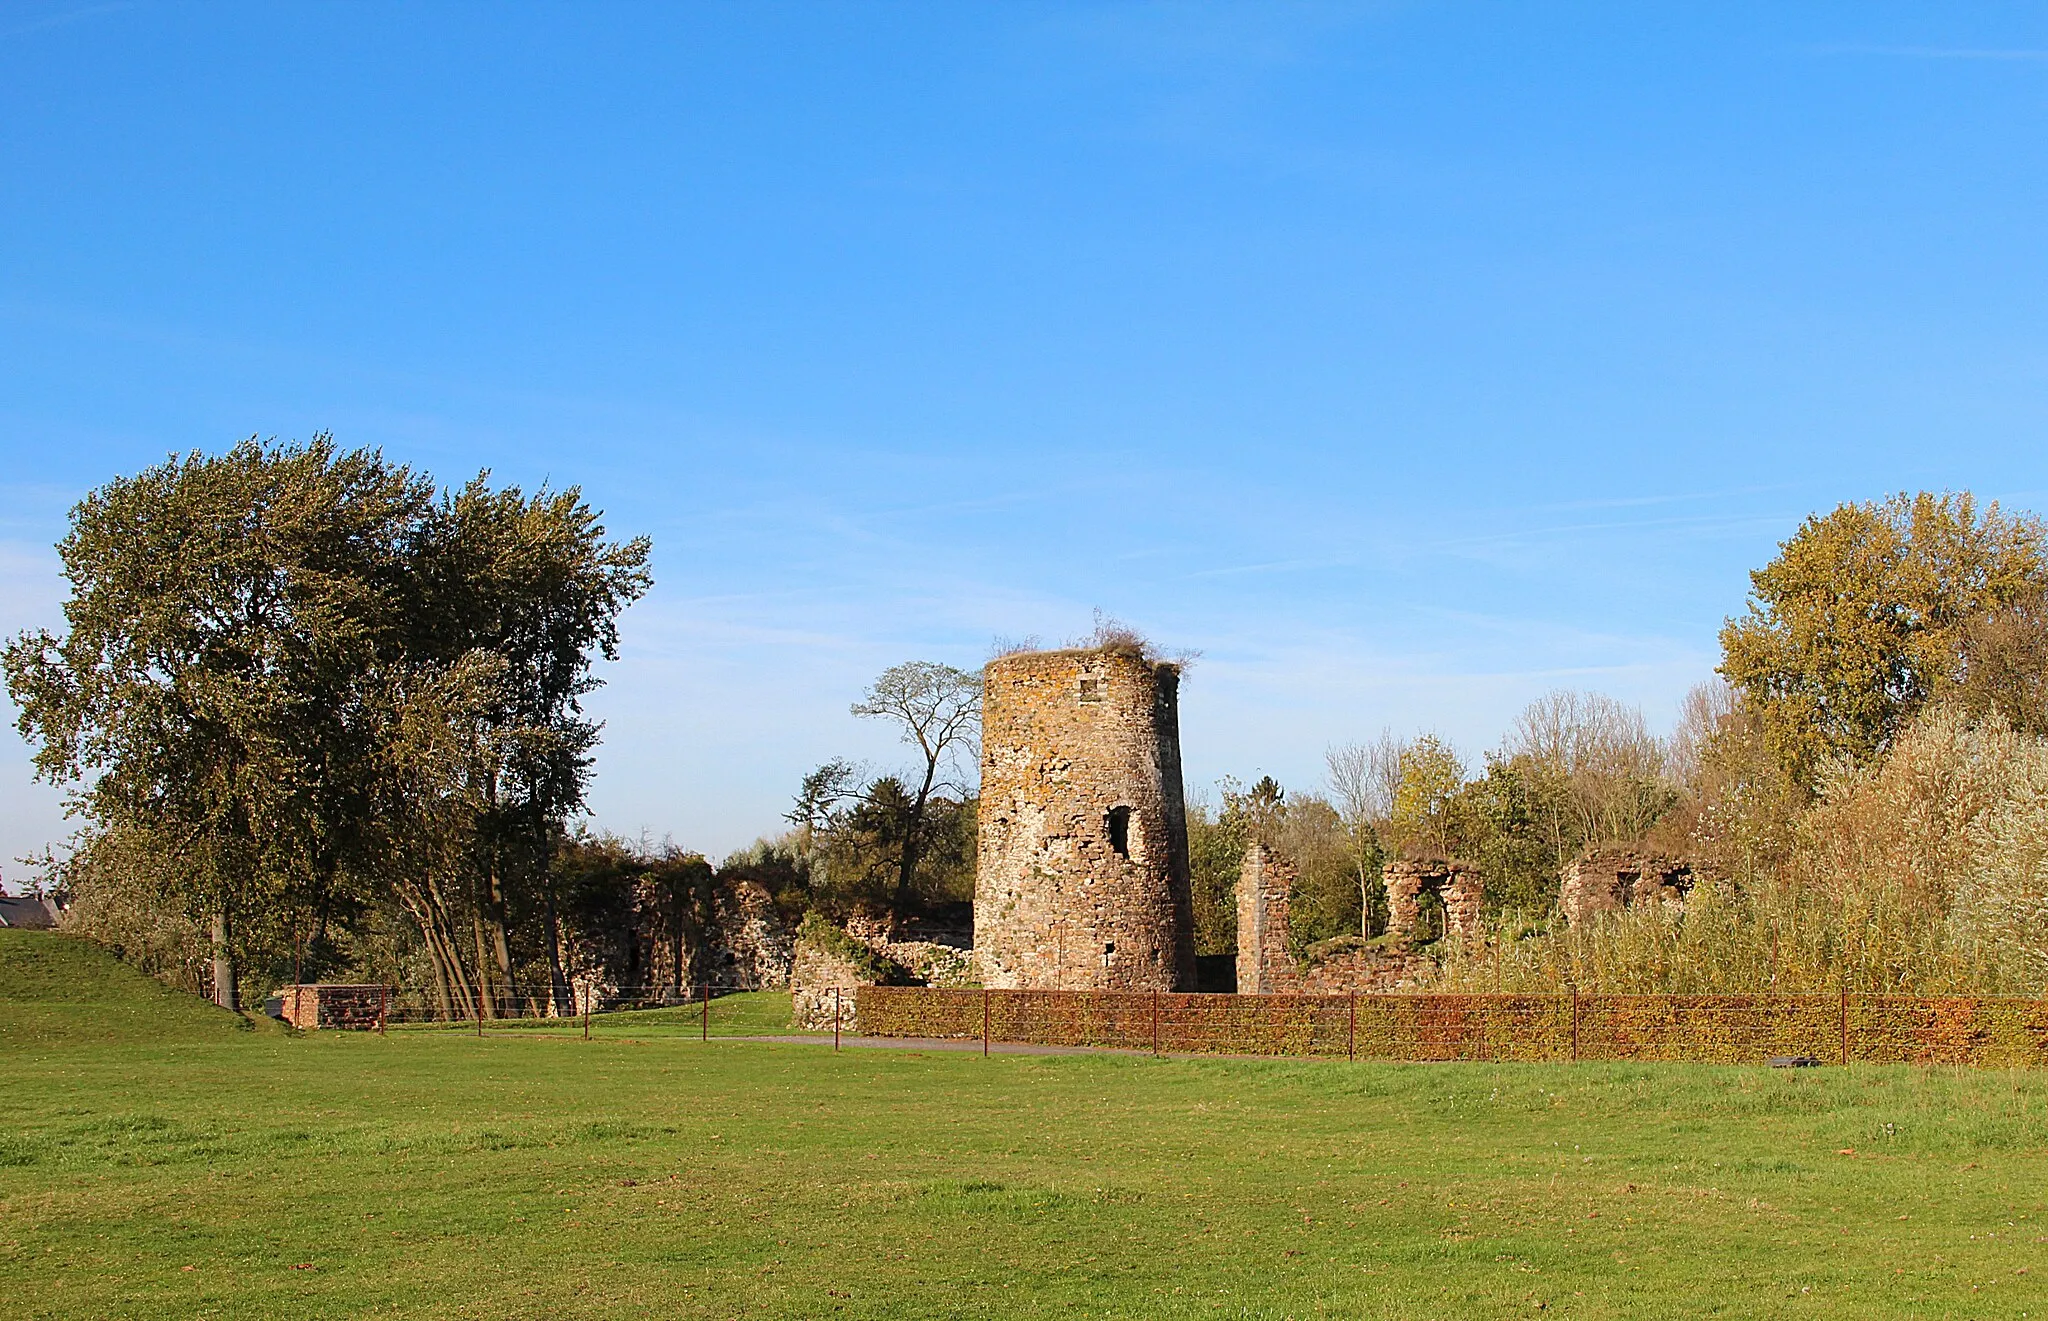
(1728, 1029)
(1984, 1032)
(372, 1007)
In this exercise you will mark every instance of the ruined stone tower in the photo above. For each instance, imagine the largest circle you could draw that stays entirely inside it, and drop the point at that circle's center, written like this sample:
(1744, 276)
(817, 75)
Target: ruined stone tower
(1082, 878)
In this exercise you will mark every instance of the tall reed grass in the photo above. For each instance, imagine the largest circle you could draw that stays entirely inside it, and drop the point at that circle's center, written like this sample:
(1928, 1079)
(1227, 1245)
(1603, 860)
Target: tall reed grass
(1925, 873)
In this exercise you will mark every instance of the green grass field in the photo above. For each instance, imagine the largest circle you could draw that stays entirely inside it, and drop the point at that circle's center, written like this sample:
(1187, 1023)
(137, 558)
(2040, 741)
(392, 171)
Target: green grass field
(157, 1160)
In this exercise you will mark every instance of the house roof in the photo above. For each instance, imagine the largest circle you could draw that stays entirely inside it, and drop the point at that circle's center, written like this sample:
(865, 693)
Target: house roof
(27, 911)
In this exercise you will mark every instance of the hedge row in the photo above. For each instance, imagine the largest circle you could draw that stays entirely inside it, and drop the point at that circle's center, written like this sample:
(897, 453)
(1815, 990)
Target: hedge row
(1725, 1029)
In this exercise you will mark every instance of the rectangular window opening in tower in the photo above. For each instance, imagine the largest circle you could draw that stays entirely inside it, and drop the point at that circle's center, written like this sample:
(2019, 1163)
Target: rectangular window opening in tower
(1120, 831)
(1091, 690)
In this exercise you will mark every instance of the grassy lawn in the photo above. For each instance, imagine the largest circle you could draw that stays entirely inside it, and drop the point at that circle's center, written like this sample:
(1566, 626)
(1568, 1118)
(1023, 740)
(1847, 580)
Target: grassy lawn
(211, 1171)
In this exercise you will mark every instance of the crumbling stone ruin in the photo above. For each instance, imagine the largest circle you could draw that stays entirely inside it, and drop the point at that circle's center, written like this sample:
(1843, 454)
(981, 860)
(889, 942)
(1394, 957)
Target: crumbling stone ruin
(1430, 898)
(730, 935)
(825, 979)
(1350, 964)
(1608, 880)
(748, 944)
(1265, 882)
(943, 960)
(1082, 875)
(832, 964)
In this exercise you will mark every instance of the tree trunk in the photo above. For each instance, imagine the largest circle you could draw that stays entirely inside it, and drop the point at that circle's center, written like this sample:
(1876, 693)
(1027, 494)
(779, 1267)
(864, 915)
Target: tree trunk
(466, 993)
(226, 993)
(486, 994)
(496, 920)
(558, 981)
(501, 954)
(913, 835)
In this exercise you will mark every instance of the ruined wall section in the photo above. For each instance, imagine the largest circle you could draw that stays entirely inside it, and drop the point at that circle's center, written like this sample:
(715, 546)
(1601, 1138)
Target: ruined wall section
(1455, 884)
(1347, 965)
(1608, 880)
(1082, 875)
(1264, 883)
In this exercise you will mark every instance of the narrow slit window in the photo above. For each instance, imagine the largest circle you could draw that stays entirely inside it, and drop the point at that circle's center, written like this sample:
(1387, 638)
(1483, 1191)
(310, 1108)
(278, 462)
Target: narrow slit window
(1120, 831)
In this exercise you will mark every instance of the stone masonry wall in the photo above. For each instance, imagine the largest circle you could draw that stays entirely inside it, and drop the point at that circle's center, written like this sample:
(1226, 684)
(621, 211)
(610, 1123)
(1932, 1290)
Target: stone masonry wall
(1365, 970)
(748, 946)
(1456, 884)
(1082, 876)
(1348, 965)
(819, 980)
(1606, 880)
(1264, 883)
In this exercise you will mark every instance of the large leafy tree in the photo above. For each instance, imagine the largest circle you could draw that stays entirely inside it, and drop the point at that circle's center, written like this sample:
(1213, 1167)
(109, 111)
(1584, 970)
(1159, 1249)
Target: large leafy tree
(297, 683)
(1867, 612)
(226, 674)
(519, 592)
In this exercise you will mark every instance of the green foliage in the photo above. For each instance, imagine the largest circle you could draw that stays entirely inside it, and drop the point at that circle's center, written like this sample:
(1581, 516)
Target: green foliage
(2005, 667)
(1424, 816)
(296, 688)
(937, 710)
(1216, 845)
(854, 837)
(1923, 873)
(829, 936)
(1865, 613)
(1307, 829)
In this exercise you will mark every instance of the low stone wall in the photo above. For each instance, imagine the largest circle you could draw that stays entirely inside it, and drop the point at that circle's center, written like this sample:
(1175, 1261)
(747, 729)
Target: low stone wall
(1353, 964)
(830, 966)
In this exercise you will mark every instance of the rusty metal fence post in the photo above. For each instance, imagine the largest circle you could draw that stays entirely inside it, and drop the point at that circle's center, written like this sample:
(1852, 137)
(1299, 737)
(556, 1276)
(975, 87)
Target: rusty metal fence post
(984, 1022)
(706, 1036)
(1575, 1024)
(835, 1018)
(1351, 1031)
(1155, 1022)
(383, 1006)
(1845, 1026)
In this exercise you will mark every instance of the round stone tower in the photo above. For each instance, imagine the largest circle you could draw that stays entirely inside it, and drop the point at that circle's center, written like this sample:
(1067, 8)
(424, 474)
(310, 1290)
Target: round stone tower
(1082, 874)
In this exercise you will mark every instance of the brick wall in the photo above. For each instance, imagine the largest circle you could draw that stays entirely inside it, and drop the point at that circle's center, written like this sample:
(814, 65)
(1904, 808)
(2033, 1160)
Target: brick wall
(348, 1006)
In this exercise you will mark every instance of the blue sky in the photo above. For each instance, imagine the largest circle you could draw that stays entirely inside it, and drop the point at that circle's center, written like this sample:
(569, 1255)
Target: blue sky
(1407, 360)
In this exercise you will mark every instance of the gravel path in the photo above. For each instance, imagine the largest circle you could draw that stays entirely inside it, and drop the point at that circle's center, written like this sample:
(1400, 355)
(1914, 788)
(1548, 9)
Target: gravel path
(940, 1043)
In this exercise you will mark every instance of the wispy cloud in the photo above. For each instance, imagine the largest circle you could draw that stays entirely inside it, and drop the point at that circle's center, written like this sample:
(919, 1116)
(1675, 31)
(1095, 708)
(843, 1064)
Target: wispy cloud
(2023, 55)
(60, 19)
